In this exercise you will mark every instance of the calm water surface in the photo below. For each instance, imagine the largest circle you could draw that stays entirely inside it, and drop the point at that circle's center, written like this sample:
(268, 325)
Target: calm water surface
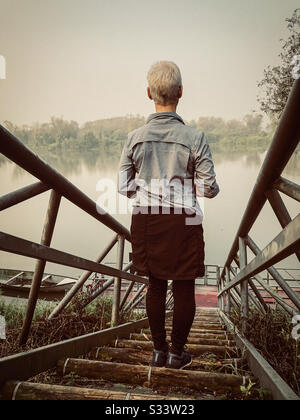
(78, 233)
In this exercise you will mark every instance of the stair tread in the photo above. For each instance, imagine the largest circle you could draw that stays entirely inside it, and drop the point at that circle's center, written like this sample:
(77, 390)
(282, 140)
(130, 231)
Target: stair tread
(153, 376)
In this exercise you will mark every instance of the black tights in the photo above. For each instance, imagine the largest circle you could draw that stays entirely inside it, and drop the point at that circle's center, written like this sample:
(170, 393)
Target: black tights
(183, 316)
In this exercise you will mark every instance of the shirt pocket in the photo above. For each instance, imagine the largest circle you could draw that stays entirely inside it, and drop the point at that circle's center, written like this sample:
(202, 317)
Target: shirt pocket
(162, 160)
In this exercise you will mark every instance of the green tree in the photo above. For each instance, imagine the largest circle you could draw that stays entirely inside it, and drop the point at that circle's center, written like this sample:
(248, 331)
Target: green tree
(278, 80)
(253, 123)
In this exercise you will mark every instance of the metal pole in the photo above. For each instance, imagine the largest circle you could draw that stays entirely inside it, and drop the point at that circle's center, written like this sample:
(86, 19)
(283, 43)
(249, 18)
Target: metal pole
(25, 193)
(228, 308)
(117, 288)
(49, 226)
(218, 271)
(170, 303)
(280, 210)
(78, 285)
(264, 307)
(236, 299)
(274, 294)
(276, 276)
(105, 286)
(206, 276)
(288, 188)
(138, 301)
(169, 298)
(127, 293)
(135, 297)
(244, 285)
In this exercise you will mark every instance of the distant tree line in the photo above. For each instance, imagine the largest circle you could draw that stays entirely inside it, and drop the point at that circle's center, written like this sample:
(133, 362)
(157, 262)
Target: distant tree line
(109, 135)
(236, 134)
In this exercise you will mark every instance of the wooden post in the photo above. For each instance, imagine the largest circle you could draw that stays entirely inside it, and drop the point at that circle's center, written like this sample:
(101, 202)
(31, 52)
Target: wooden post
(117, 288)
(244, 285)
(49, 226)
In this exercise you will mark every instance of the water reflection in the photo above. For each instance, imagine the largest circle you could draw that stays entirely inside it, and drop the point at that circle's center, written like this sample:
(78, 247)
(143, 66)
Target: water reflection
(73, 162)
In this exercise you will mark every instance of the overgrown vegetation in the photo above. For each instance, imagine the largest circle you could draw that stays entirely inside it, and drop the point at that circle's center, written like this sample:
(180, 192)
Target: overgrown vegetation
(271, 334)
(73, 322)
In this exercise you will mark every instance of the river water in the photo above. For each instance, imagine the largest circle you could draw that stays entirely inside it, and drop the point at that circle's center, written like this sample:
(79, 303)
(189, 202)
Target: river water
(78, 233)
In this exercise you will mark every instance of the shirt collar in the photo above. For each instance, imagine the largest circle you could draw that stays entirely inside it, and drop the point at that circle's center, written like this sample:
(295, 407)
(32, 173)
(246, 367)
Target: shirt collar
(164, 116)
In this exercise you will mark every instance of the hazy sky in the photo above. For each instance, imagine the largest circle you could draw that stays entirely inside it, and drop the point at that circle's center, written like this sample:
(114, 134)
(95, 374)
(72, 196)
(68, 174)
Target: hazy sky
(88, 59)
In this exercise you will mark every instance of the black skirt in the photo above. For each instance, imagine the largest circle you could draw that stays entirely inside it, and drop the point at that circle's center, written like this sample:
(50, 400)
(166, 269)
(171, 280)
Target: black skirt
(165, 247)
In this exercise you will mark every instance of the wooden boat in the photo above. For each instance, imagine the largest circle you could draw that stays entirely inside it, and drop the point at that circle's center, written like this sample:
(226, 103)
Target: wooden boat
(16, 283)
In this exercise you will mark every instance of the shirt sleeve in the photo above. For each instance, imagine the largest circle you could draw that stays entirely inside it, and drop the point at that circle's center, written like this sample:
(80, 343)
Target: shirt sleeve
(126, 174)
(205, 177)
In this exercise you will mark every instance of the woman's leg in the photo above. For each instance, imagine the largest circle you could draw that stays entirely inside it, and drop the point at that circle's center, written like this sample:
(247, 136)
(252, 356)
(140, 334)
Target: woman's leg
(156, 311)
(184, 313)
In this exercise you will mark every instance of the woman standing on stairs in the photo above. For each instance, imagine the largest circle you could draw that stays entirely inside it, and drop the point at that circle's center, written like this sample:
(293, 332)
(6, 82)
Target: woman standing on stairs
(164, 166)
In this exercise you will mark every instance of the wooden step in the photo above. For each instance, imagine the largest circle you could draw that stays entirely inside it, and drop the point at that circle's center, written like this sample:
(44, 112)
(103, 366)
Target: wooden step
(200, 330)
(205, 326)
(206, 336)
(144, 375)
(207, 310)
(35, 391)
(191, 340)
(207, 319)
(195, 349)
(131, 356)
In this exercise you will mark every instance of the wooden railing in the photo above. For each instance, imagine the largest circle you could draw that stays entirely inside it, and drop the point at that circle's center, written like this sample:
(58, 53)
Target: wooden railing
(60, 187)
(240, 278)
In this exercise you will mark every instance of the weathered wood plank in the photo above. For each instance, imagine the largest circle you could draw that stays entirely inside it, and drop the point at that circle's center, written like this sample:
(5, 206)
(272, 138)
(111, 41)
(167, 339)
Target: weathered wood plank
(191, 340)
(142, 375)
(202, 325)
(132, 356)
(27, 391)
(195, 349)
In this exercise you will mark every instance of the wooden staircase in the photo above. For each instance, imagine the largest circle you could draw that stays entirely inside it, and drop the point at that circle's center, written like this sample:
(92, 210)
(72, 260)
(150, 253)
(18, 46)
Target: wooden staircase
(121, 371)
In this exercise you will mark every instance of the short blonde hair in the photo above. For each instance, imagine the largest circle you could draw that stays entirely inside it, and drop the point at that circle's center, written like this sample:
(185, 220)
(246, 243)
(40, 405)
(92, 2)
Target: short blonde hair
(164, 79)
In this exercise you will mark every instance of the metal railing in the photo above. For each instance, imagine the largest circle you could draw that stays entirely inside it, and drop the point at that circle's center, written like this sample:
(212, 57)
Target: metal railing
(60, 188)
(239, 280)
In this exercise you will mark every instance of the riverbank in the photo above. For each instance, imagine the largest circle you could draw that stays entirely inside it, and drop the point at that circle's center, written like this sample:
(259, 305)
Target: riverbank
(73, 322)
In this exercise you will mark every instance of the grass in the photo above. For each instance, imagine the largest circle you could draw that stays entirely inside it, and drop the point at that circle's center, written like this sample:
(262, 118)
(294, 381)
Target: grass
(271, 334)
(74, 321)
(14, 313)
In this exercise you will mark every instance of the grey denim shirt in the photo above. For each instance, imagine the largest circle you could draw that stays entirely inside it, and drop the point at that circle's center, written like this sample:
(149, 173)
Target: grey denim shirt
(167, 163)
